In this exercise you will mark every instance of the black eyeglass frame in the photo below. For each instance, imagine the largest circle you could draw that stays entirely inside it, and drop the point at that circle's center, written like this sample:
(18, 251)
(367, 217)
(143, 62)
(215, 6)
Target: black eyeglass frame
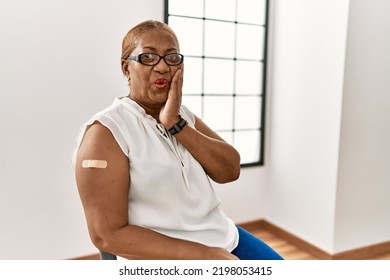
(137, 58)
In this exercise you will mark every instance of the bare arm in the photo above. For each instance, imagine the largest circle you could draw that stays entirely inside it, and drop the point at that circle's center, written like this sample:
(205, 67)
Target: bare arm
(104, 194)
(219, 159)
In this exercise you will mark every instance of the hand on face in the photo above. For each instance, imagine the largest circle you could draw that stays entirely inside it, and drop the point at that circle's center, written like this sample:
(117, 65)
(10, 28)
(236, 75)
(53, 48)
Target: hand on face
(169, 114)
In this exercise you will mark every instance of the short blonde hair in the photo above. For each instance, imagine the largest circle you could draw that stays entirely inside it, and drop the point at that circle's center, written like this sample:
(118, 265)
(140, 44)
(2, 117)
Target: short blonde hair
(129, 41)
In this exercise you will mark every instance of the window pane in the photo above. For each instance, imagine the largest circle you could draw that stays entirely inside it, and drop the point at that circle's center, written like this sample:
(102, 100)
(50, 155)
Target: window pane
(220, 9)
(190, 42)
(247, 144)
(194, 103)
(250, 41)
(187, 8)
(249, 77)
(219, 39)
(247, 112)
(251, 11)
(218, 76)
(192, 82)
(218, 112)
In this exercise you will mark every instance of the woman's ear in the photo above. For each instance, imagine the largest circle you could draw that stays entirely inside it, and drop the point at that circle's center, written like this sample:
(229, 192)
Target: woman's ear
(125, 69)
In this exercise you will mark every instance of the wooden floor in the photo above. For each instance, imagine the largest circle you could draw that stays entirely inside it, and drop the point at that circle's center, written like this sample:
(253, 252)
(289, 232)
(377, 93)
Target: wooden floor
(290, 251)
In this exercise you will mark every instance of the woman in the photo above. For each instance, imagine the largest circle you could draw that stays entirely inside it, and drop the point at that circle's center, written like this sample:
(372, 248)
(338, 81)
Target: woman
(143, 165)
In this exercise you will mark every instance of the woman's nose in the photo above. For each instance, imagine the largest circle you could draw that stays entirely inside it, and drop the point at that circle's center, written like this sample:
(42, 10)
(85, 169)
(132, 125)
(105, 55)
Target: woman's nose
(161, 66)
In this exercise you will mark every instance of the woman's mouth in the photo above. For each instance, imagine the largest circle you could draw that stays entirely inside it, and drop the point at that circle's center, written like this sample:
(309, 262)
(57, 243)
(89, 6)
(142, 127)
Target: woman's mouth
(161, 83)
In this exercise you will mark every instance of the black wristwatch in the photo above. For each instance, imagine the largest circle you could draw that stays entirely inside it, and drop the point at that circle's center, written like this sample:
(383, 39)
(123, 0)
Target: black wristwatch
(178, 126)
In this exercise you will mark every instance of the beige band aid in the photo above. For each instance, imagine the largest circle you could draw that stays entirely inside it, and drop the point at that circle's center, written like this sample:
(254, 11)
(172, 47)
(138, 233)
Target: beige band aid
(94, 163)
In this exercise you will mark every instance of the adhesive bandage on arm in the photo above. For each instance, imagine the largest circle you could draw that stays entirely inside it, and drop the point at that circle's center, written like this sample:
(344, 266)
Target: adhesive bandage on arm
(94, 163)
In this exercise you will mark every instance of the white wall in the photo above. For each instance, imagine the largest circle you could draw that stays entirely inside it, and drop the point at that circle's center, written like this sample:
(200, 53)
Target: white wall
(244, 200)
(307, 79)
(363, 193)
(59, 64)
(328, 173)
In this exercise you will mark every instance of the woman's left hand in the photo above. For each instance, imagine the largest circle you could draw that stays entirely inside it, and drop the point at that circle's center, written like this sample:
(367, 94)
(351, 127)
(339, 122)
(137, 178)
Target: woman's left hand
(169, 114)
(219, 159)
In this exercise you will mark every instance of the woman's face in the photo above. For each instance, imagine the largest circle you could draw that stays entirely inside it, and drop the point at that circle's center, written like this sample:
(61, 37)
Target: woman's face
(149, 85)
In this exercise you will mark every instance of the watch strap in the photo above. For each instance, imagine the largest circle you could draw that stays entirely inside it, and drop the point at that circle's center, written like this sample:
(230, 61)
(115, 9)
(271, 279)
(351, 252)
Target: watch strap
(178, 126)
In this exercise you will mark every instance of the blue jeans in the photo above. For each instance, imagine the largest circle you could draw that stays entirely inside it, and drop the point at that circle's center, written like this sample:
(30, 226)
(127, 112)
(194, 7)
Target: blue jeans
(251, 248)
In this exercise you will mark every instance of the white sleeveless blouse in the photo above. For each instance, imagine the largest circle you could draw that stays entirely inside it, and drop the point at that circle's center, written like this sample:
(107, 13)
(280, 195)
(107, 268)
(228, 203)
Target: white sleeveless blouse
(170, 192)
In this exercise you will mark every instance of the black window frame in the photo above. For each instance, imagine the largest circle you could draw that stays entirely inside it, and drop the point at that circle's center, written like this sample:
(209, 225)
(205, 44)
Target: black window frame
(263, 93)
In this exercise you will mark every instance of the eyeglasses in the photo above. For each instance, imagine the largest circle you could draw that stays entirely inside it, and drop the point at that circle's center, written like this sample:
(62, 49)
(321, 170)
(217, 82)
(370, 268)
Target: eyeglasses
(152, 59)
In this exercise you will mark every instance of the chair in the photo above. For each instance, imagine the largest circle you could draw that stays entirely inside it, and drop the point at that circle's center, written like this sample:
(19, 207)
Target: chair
(107, 256)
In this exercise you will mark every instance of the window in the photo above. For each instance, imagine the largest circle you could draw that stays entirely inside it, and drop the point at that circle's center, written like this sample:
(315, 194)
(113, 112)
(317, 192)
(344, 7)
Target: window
(224, 44)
